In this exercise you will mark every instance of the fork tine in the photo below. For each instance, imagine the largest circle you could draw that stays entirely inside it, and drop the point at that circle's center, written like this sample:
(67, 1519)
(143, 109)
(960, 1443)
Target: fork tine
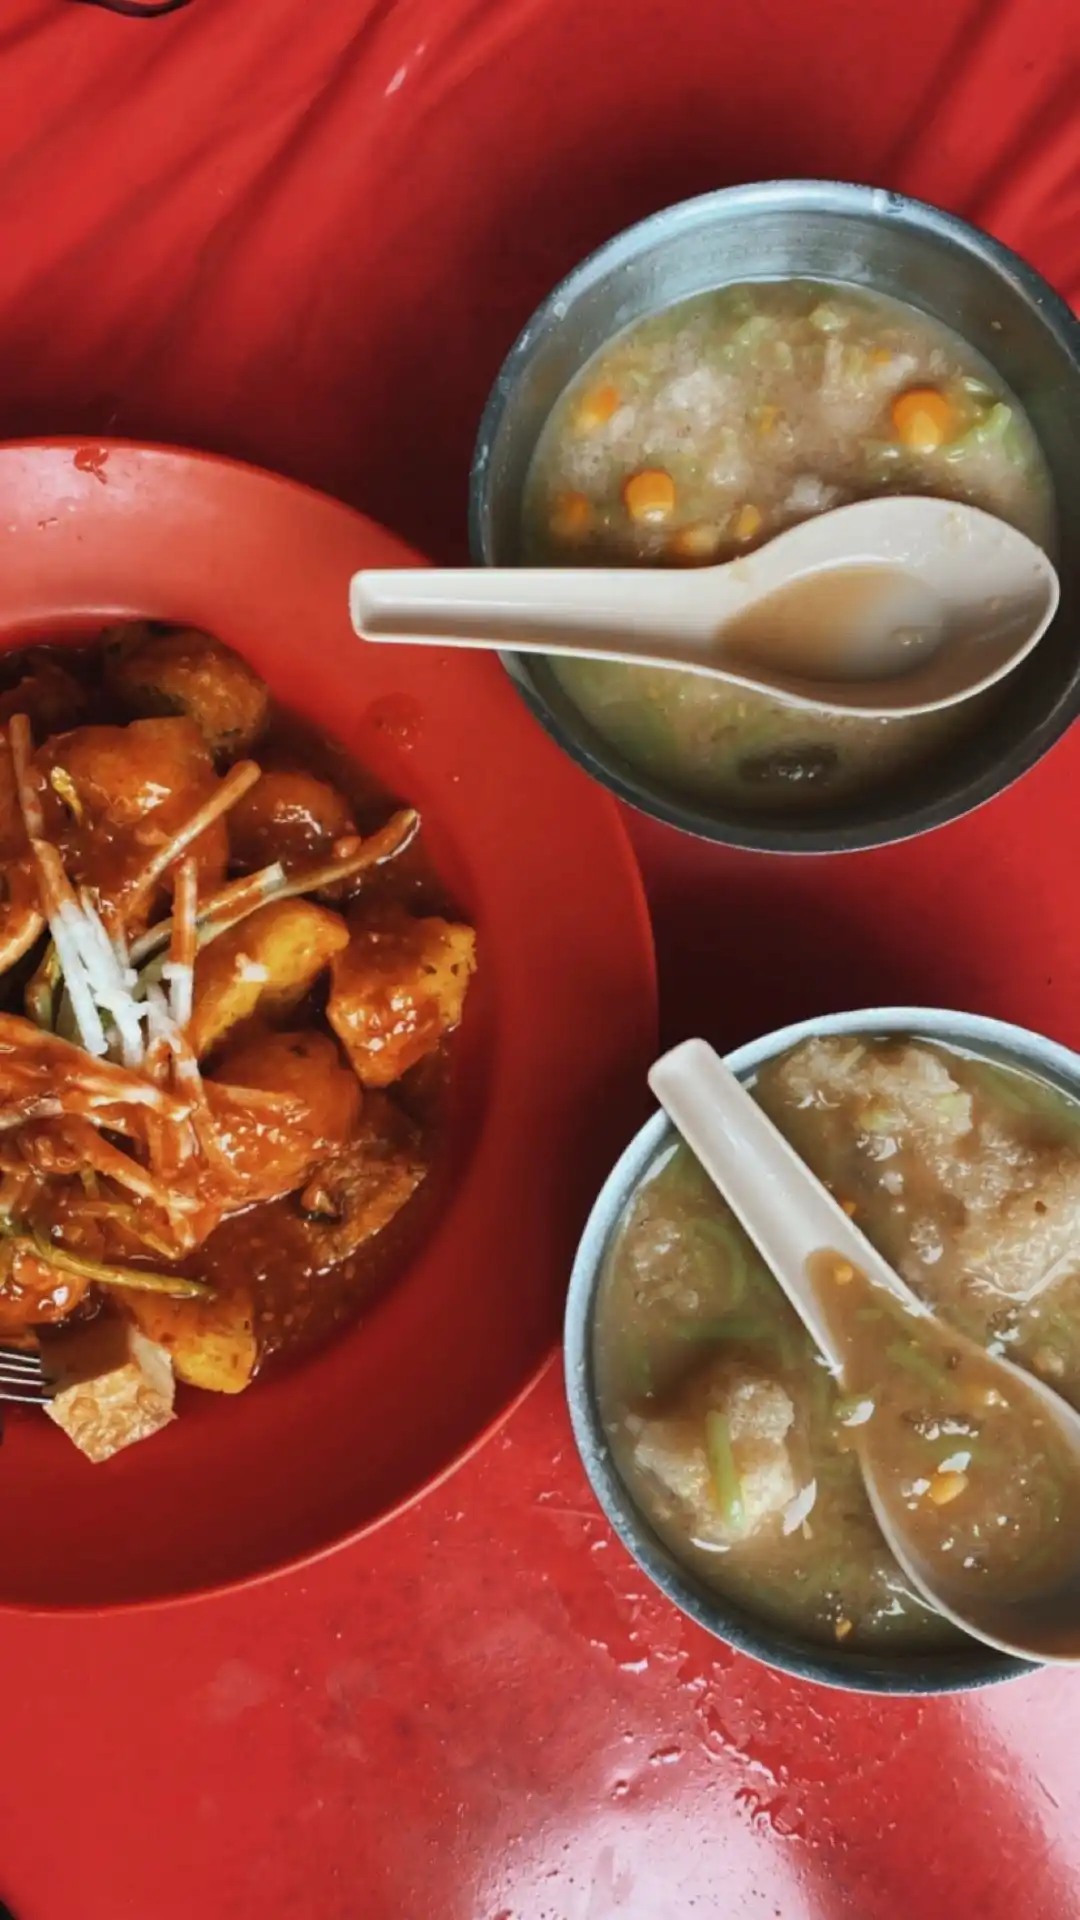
(21, 1377)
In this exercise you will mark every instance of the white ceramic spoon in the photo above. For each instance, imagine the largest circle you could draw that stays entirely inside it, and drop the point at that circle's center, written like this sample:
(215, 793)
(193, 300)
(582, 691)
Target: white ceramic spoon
(891, 606)
(803, 1234)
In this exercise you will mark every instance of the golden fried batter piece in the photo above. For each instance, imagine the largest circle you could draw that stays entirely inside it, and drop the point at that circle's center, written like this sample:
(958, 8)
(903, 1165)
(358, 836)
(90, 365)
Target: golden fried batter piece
(272, 1149)
(211, 1343)
(263, 966)
(398, 987)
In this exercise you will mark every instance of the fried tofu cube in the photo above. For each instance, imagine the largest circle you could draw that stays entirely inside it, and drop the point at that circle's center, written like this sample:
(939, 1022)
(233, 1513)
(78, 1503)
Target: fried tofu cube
(263, 966)
(212, 1343)
(112, 1385)
(397, 988)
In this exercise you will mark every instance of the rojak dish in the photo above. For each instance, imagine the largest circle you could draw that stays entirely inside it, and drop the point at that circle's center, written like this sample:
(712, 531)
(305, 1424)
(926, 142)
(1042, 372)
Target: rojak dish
(230, 985)
(728, 1429)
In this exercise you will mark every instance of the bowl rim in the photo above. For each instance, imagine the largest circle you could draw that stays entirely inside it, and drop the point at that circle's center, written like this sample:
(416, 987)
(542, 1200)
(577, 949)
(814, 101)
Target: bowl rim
(786, 834)
(914, 1674)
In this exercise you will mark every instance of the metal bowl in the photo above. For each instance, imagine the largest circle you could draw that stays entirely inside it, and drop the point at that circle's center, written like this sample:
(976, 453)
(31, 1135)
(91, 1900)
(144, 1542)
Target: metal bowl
(823, 231)
(971, 1665)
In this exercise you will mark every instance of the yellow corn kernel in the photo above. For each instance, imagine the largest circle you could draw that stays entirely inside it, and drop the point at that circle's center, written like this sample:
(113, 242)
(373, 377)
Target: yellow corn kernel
(747, 523)
(843, 1273)
(881, 357)
(649, 495)
(700, 542)
(850, 1208)
(843, 1627)
(945, 1487)
(571, 516)
(595, 408)
(767, 418)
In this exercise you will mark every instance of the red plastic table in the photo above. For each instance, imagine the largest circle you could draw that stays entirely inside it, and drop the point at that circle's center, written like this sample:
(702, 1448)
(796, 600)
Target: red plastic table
(304, 234)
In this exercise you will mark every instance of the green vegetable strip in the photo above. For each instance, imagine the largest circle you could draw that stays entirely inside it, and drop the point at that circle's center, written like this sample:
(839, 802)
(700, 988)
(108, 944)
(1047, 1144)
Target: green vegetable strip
(733, 1326)
(727, 1485)
(989, 429)
(105, 1274)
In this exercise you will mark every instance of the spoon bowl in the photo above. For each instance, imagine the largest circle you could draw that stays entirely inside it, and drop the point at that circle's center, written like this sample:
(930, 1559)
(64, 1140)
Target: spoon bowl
(831, 1273)
(890, 607)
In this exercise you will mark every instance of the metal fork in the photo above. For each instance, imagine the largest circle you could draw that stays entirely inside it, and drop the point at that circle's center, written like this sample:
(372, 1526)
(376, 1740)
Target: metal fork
(22, 1378)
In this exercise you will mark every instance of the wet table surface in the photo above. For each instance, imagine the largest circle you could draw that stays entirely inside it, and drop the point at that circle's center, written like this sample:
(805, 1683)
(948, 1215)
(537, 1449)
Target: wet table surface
(305, 236)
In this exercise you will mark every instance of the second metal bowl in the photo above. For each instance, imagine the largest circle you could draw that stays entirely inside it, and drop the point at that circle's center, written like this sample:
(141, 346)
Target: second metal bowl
(970, 1665)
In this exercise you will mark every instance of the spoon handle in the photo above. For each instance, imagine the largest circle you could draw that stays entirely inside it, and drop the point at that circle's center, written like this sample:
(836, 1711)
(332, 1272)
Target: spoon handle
(598, 612)
(780, 1204)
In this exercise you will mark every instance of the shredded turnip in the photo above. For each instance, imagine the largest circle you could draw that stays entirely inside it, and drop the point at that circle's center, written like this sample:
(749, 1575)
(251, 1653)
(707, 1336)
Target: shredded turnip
(238, 781)
(179, 968)
(21, 742)
(222, 911)
(97, 974)
(66, 928)
(27, 1050)
(159, 1016)
(110, 983)
(390, 841)
(217, 913)
(108, 1160)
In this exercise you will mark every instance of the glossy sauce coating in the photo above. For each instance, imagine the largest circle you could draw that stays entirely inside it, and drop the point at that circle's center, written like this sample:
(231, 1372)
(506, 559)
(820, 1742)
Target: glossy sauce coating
(289, 1258)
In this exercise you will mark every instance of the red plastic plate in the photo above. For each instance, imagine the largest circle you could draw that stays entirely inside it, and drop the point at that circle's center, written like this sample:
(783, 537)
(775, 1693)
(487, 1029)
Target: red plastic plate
(552, 1055)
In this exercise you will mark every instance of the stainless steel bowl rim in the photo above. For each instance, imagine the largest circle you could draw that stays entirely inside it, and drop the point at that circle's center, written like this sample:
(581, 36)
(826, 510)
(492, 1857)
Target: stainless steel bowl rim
(826, 196)
(796, 833)
(914, 1673)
